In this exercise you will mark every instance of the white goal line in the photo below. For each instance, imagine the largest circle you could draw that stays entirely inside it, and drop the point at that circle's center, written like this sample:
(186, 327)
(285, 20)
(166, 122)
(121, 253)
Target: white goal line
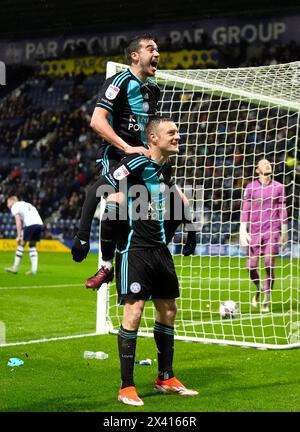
(48, 340)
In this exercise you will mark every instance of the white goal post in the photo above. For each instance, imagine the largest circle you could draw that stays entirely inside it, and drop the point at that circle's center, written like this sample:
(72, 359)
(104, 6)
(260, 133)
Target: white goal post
(227, 118)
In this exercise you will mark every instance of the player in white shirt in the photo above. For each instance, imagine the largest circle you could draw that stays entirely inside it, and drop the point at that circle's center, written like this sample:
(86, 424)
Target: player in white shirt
(29, 228)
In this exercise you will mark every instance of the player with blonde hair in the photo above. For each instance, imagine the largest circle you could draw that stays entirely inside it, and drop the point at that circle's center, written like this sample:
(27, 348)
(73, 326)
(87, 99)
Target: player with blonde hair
(29, 226)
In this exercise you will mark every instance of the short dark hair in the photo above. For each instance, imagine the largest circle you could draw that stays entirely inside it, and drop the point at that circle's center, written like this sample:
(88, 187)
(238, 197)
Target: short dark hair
(134, 45)
(154, 122)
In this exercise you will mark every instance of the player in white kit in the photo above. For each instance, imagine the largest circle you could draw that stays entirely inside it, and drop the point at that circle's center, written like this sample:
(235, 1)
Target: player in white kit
(29, 228)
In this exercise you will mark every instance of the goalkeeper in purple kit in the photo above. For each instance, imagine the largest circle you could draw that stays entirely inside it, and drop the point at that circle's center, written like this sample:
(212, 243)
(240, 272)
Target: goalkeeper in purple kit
(263, 228)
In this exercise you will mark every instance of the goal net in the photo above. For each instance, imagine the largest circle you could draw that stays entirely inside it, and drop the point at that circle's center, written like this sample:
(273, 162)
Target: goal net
(227, 119)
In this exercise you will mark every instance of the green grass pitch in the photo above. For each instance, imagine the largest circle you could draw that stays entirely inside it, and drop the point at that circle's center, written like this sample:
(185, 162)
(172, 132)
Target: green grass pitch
(55, 376)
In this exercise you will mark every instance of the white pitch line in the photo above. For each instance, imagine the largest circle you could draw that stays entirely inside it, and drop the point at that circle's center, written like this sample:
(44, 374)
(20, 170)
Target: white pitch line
(47, 340)
(40, 286)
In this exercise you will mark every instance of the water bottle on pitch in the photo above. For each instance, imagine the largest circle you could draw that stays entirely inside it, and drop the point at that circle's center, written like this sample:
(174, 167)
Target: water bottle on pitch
(100, 355)
(146, 362)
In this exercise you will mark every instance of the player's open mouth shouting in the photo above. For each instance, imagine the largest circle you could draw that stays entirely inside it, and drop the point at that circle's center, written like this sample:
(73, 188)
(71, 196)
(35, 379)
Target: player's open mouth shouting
(153, 65)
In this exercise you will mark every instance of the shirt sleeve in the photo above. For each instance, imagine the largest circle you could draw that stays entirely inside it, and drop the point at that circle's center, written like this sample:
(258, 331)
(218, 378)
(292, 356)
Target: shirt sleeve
(109, 95)
(15, 209)
(282, 206)
(246, 205)
(130, 167)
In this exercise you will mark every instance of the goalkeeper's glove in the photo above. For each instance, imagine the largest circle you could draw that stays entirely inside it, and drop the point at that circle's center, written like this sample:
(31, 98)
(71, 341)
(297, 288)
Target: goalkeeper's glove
(190, 244)
(284, 236)
(244, 236)
(80, 249)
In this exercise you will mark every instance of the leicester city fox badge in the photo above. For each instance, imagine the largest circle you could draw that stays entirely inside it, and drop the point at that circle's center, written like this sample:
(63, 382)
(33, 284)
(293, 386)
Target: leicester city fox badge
(135, 287)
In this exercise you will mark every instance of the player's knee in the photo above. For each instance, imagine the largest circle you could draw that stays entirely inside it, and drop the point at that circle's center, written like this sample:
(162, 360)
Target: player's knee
(132, 315)
(171, 314)
(132, 322)
(167, 314)
(269, 262)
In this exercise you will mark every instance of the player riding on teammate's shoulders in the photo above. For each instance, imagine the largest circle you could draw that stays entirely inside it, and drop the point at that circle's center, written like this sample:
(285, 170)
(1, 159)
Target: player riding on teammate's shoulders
(126, 103)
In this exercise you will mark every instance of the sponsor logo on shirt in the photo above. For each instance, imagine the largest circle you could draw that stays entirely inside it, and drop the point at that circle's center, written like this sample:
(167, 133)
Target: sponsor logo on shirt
(121, 172)
(112, 92)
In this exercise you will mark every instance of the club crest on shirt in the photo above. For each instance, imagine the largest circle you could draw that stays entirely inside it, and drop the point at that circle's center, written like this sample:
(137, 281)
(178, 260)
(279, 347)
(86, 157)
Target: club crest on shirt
(111, 92)
(135, 287)
(121, 172)
(145, 106)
